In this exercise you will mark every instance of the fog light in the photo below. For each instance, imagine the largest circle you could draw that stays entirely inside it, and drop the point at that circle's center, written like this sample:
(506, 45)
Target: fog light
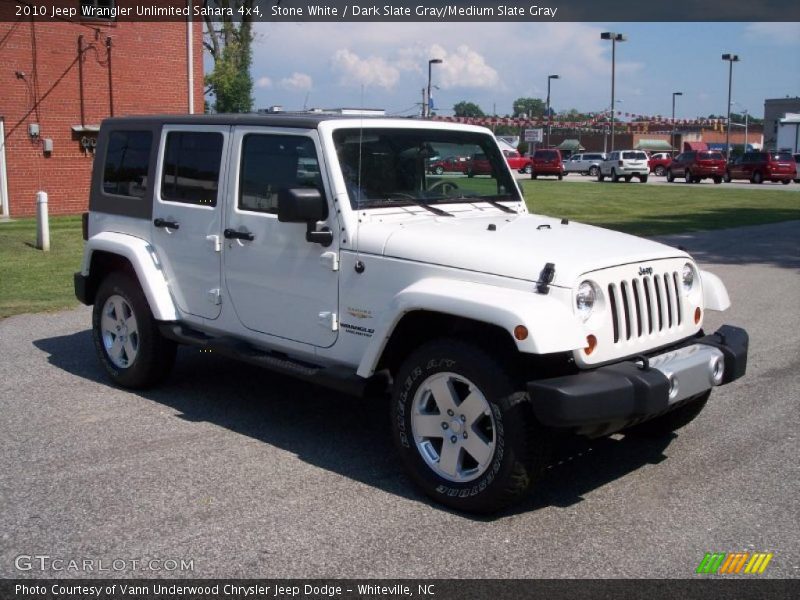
(673, 386)
(521, 332)
(717, 369)
(591, 344)
(697, 314)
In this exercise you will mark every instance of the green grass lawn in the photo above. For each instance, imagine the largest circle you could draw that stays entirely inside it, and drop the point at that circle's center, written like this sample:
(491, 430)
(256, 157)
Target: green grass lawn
(655, 210)
(34, 281)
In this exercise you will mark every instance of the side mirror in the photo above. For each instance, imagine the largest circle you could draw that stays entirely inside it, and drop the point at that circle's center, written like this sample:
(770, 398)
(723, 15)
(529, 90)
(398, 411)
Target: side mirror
(305, 205)
(301, 205)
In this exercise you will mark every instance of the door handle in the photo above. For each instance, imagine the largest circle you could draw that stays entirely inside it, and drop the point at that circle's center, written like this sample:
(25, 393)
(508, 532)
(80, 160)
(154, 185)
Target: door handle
(232, 234)
(168, 224)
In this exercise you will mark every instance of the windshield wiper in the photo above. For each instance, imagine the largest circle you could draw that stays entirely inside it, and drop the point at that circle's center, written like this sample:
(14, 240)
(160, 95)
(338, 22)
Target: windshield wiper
(433, 209)
(497, 204)
(494, 203)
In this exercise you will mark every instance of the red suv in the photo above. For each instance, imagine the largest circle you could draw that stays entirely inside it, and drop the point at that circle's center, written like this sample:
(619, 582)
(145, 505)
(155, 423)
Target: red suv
(547, 162)
(761, 166)
(478, 164)
(697, 165)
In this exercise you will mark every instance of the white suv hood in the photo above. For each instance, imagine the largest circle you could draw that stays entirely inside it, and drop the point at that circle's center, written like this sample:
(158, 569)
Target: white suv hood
(519, 247)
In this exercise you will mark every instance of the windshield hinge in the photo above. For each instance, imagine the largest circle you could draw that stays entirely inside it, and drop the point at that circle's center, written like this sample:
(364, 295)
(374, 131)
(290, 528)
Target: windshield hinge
(329, 260)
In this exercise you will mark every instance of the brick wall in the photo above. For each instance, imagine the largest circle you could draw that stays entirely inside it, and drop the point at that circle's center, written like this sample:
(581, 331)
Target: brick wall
(148, 75)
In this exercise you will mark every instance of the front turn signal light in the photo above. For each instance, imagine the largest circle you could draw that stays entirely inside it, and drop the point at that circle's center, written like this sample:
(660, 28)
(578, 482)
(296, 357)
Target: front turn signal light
(697, 315)
(521, 332)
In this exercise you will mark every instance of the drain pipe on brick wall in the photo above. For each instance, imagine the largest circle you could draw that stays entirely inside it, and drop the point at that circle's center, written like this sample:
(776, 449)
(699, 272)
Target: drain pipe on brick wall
(190, 55)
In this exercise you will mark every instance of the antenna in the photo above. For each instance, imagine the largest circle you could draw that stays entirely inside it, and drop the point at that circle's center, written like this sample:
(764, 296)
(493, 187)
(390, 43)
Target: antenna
(359, 191)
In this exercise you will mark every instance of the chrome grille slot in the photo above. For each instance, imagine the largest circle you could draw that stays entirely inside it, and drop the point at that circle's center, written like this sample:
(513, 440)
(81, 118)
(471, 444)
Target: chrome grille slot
(678, 316)
(642, 306)
(626, 305)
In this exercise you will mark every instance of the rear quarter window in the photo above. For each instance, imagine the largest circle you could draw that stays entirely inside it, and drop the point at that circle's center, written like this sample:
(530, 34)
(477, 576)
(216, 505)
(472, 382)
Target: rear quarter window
(126, 162)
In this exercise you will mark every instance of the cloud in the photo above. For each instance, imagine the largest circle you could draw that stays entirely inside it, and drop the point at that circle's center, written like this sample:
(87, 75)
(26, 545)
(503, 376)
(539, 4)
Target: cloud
(298, 82)
(371, 71)
(781, 34)
(263, 82)
(462, 67)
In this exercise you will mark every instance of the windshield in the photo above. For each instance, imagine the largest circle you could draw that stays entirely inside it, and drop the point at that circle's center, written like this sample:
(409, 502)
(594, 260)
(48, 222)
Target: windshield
(396, 170)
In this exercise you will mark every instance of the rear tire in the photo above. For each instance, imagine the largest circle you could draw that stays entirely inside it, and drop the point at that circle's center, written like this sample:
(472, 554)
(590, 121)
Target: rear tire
(560, 176)
(727, 177)
(643, 178)
(439, 170)
(465, 433)
(785, 181)
(528, 169)
(689, 177)
(672, 421)
(758, 178)
(659, 171)
(717, 180)
(628, 178)
(126, 337)
(614, 176)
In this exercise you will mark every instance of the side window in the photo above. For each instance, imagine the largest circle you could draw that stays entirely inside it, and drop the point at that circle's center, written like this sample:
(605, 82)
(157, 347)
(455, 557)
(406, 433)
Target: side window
(127, 158)
(192, 161)
(270, 163)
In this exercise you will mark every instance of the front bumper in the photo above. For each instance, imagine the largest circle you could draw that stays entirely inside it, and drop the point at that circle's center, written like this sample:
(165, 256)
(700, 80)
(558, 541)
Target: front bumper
(611, 397)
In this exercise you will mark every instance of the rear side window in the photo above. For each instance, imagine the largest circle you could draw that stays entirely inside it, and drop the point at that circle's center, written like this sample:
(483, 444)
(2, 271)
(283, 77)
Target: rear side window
(710, 156)
(271, 163)
(192, 161)
(127, 158)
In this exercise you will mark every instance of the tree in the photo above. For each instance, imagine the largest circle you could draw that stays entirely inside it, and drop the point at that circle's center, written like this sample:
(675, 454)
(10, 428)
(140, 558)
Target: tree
(468, 109)
(531, 107)
(229, 41)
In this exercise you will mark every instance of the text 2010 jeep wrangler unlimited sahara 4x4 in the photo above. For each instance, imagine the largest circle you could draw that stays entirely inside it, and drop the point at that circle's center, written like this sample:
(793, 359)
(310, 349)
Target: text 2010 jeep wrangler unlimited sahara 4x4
(323, 248)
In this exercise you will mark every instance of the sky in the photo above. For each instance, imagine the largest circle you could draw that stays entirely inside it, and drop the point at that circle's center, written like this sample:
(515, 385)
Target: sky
(325, 65)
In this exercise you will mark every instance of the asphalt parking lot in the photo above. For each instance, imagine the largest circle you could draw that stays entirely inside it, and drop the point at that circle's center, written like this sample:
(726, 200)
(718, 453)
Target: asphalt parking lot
(252, 474)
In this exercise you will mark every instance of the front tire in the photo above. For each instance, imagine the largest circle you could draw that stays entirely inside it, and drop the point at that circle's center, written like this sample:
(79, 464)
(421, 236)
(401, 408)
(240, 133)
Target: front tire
(594, 171)
(672, 421)
(438, 170)
(465, 434)
(527, 170)
(126, 336)
(670, 176)
(659, 171)
(758, 178)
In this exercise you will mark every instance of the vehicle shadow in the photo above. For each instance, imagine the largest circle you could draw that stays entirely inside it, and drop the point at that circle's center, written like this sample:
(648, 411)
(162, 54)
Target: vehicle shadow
(333, 431)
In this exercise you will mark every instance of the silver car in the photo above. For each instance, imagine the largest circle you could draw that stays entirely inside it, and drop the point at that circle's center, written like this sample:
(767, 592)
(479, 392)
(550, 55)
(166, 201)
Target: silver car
(585, 164)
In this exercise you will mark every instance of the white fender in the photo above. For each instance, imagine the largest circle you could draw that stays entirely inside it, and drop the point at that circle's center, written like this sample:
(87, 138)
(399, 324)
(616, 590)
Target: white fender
(145, 262)
(551, 326)
(715, 295)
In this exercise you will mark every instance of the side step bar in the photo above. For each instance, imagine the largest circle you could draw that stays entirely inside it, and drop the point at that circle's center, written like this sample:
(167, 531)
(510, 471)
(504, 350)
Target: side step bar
(337, 378)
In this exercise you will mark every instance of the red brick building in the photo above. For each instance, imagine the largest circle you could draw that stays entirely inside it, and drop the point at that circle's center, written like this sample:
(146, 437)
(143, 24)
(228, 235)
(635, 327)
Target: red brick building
(60, 79)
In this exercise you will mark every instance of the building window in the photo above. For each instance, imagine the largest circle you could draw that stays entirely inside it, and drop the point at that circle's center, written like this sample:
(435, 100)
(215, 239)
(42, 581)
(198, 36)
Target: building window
(127, 159)
(271, 163)
(192, 162)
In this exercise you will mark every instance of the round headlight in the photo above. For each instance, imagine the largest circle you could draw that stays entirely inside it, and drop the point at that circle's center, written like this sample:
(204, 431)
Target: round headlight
(584, 299)
(687, 277)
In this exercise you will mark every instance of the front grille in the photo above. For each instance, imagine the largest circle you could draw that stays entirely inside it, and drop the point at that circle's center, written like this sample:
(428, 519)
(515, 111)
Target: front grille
(646, 305)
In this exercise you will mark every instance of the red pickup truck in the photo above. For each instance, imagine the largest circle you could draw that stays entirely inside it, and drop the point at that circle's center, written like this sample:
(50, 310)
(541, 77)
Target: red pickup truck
(517, 162)
(659, 163)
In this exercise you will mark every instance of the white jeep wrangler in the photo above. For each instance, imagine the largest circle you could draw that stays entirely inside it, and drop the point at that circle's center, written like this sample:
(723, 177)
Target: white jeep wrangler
(323, 248)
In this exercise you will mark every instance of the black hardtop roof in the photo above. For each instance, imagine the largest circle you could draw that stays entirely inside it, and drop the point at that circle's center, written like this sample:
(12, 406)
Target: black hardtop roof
(298, 120)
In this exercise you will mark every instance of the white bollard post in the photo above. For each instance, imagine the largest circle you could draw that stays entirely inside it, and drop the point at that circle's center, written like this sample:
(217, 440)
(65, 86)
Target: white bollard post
(42, 222)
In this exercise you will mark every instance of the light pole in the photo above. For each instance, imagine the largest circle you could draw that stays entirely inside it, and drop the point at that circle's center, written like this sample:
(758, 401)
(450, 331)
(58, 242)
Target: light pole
(731, 58)
(431, 62)
(672, 139)
(549, 78)
(614, 37)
